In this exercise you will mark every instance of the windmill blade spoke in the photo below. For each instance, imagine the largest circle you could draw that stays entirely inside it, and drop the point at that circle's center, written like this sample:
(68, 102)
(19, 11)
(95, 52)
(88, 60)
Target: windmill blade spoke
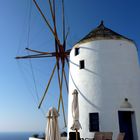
(54, 18)
(63, 109)
(61, 97)
(57, 60)
(43, 97)
(67, 60)
(36, 51)
(34, 56)
(66, 36)
(43, 54)
(66, 82)
(51, 9)
(47, 22)
(55, 30)
(57, 45)
(63, 24)
(48, 53)
(60, 88)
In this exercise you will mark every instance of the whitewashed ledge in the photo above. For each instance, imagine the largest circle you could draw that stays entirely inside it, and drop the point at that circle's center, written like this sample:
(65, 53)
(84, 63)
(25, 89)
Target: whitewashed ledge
(31, 138)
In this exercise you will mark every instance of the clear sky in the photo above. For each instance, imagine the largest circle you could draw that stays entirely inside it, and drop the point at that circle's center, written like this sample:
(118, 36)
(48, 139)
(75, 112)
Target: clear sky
(18, 108)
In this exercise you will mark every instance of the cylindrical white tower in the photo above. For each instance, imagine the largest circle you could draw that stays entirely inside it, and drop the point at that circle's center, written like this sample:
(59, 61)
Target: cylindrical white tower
(104, 69)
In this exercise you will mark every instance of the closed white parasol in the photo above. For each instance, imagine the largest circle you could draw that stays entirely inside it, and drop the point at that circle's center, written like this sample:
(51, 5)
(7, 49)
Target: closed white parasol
(75, 112)
(52, 130)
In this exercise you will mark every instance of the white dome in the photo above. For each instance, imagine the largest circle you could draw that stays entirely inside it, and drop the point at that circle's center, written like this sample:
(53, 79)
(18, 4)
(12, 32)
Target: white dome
(125, 104)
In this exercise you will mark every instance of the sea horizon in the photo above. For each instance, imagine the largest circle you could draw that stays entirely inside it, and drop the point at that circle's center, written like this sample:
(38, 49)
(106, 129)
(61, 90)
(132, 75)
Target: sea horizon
(17, 135)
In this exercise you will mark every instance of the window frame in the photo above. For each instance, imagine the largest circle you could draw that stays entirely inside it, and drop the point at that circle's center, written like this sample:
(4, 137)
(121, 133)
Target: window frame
(82, 64)
(77, 51)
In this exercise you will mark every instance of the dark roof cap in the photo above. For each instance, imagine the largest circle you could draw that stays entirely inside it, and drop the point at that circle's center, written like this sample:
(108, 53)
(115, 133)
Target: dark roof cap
(100, 33)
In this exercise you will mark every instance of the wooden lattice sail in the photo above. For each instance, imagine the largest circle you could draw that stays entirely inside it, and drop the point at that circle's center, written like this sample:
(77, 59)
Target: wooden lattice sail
(60, 52)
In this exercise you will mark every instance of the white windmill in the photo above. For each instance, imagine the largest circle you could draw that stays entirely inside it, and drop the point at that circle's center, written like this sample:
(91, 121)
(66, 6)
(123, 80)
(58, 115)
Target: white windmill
(104, 69)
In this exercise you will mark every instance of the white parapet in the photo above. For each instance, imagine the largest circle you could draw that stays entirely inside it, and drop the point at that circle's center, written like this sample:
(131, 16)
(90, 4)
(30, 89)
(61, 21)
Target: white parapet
(63, 138)
(31, 138)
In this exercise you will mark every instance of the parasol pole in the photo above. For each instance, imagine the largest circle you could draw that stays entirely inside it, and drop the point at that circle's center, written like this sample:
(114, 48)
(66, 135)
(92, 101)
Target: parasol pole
(76, 134)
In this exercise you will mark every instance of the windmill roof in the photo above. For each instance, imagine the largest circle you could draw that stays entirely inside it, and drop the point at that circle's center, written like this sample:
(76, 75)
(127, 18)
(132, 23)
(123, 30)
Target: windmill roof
(102, 32)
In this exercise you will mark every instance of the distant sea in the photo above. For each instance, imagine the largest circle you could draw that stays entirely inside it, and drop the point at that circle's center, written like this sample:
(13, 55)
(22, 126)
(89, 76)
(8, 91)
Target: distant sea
(16, 136)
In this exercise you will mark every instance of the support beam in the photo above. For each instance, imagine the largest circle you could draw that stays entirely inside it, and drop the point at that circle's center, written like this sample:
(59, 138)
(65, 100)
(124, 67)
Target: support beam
(47, 86)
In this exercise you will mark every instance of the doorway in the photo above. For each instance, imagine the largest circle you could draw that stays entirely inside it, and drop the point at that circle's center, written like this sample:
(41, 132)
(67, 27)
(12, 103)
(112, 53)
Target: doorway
(125, 124)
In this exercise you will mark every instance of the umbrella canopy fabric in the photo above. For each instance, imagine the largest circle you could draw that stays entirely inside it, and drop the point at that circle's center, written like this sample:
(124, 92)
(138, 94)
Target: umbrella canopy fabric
(52, 130)
(75, 112)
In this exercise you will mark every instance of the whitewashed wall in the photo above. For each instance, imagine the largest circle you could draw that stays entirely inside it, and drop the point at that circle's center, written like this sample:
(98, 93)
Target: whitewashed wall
(111, 74)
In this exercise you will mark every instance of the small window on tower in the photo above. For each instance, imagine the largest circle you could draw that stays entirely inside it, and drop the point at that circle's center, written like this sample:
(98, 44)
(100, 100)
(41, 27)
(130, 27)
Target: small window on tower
(93, 122)
(76, 51)
(82, 64)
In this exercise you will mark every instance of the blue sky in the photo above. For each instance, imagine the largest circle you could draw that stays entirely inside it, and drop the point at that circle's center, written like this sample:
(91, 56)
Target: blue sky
(18, 108)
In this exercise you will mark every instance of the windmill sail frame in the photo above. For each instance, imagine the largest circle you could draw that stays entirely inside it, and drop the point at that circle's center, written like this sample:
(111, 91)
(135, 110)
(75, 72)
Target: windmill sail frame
(60, 53)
